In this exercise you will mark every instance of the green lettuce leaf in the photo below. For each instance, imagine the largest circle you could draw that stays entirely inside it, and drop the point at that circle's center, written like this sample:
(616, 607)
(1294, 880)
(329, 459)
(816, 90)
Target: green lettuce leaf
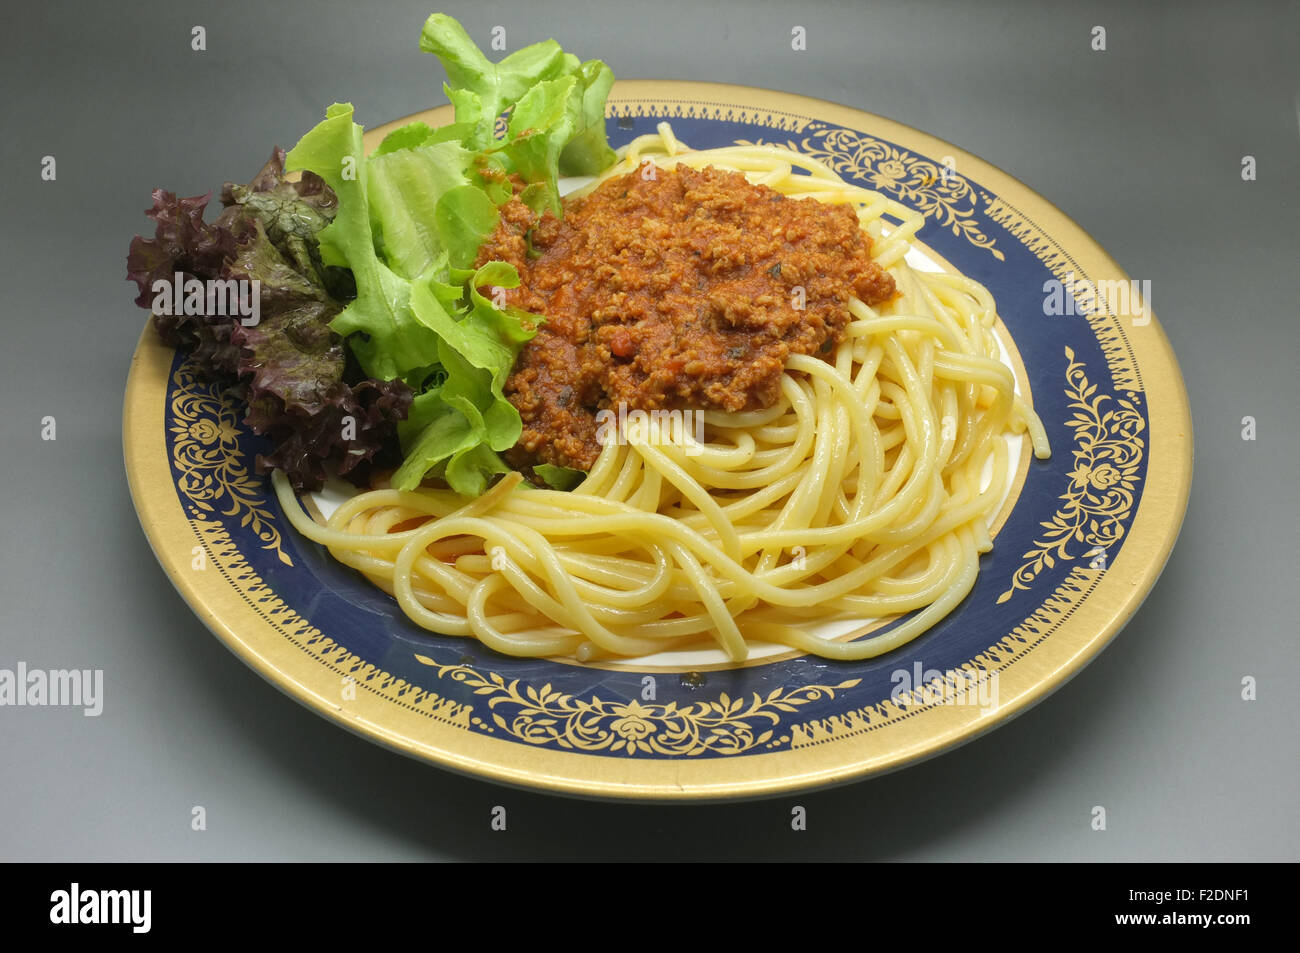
(559, 478)
(411, 319)
(457, 443)
(540, 125)
(463, 218)
(480, 90)
(456, 430)
(389, 340)
(411, 219)
(405, 188)
(588, 151)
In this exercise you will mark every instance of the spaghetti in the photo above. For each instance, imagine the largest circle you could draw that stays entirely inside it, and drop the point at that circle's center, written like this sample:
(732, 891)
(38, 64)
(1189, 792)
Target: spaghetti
(864, 492)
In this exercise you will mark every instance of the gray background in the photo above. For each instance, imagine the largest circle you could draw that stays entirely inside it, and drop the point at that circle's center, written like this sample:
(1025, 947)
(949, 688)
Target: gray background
(1141, 145)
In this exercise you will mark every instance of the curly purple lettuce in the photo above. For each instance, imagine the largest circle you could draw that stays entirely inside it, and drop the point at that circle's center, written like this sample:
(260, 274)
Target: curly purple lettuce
(303, 393)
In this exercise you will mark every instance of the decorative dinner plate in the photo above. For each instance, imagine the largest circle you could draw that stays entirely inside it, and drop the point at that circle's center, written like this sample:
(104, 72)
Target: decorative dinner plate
(1080, 540)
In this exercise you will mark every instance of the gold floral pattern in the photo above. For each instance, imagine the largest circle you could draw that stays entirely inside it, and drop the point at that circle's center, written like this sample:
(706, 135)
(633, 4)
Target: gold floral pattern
(914, 180)
(715, 112)
(1103, 483)
(212, 473)
(547, 716)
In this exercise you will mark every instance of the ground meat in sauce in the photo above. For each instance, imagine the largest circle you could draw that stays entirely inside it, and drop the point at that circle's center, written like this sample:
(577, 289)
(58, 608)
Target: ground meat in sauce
(677, 291)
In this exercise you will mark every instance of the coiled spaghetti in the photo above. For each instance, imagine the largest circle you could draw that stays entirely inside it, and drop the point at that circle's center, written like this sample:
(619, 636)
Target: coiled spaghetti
(865, 492)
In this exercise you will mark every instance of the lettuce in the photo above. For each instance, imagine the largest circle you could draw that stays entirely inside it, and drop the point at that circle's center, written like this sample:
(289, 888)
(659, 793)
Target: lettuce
(371, 309)
(480, 90)
(390, 342)
(587, 152)
(405, 187)
(301, 389)
(558, 477)
(540, 125)
(184, 243)
(399, 239)
(556, 105)
(411, 218)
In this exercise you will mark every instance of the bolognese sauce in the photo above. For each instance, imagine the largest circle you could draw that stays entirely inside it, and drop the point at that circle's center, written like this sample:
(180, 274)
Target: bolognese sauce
(672, 288)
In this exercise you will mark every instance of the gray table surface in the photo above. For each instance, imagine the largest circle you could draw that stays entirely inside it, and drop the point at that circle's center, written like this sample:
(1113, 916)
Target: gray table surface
(1140, 144)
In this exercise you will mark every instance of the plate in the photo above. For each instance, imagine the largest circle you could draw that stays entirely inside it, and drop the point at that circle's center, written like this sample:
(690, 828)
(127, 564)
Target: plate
(1080, 541)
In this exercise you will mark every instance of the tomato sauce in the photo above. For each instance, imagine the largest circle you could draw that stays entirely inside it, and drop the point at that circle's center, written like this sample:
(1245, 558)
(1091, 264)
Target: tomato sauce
(687, 289)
